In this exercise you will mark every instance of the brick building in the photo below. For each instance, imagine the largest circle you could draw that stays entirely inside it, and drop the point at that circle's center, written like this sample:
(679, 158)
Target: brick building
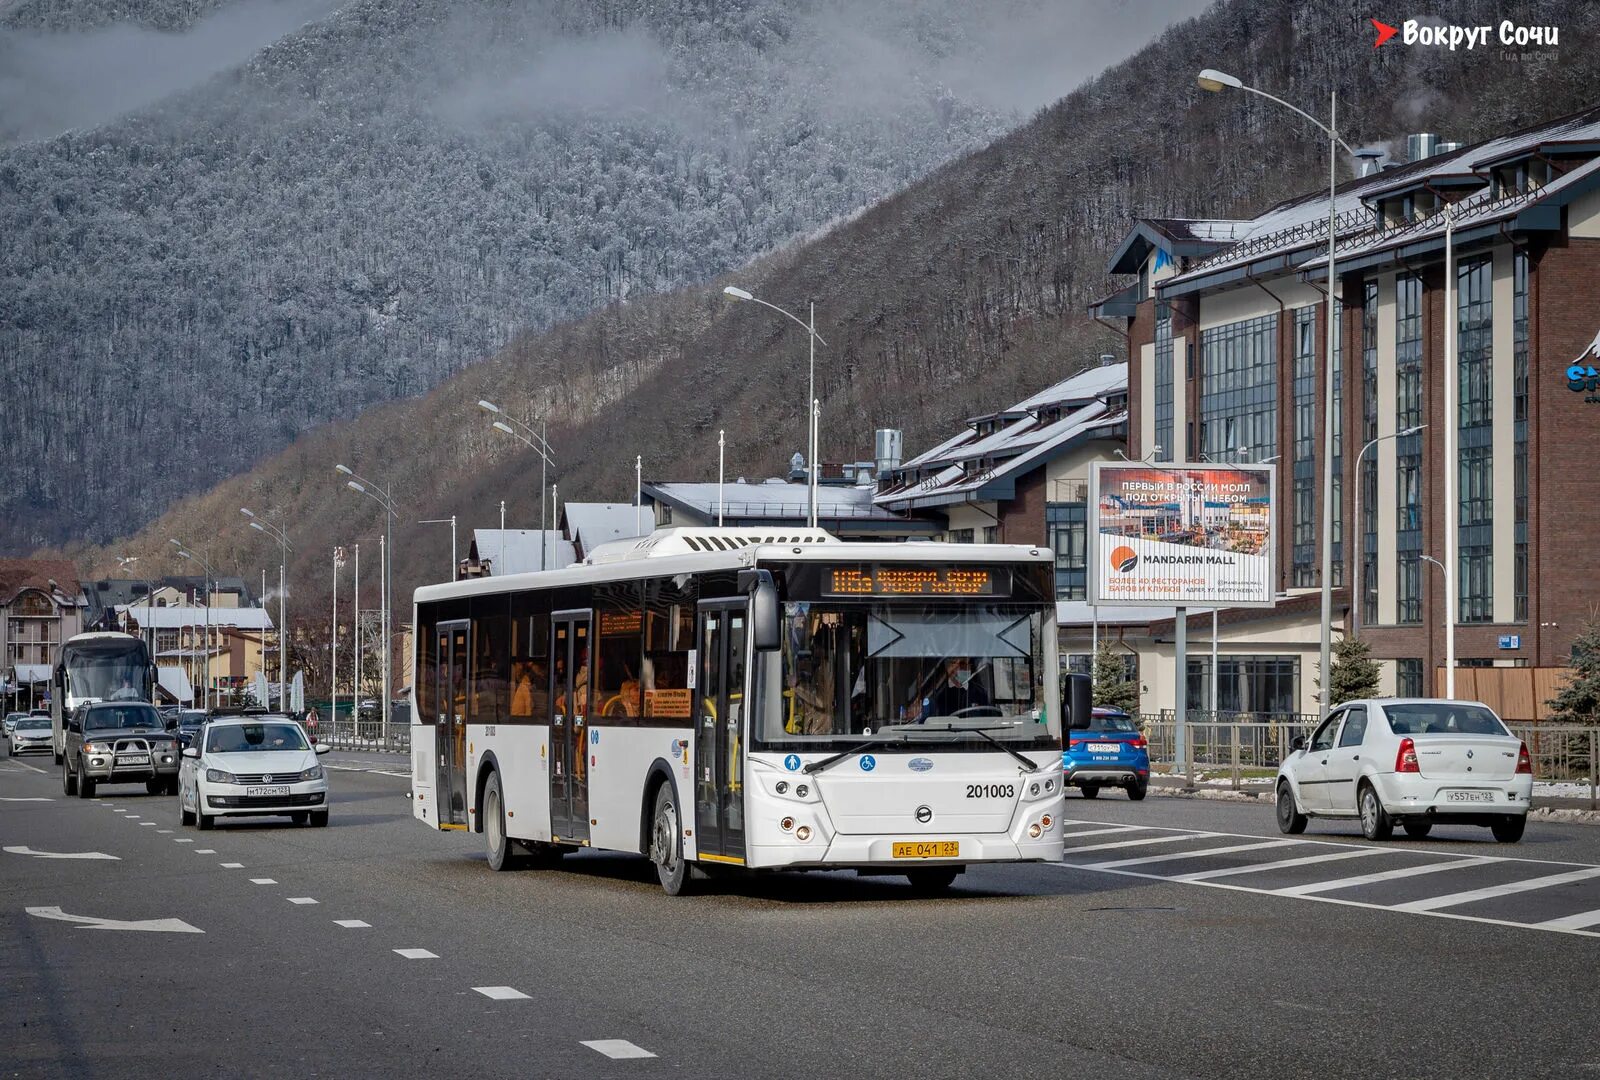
(1226, 332)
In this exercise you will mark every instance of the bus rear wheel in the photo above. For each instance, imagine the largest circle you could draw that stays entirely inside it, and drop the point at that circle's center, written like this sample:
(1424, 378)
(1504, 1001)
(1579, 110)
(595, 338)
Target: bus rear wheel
(932, 881)
(666, 843)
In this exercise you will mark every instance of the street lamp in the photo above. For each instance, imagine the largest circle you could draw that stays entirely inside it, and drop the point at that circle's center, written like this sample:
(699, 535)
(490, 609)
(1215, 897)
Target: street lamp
(1216, 81)
(284, 547)
(206, 564)
(1357, 598)
(526, 436)
(1449, 628)
(811, 384)
(384, 499)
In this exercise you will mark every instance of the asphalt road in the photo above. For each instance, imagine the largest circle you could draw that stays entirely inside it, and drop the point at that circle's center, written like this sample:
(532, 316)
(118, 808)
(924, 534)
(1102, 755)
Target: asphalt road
(1118, 971)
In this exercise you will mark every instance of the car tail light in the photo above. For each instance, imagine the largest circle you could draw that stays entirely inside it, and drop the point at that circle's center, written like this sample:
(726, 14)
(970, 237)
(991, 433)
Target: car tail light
(1524, 762)
(1406, 759)
(1138, 742)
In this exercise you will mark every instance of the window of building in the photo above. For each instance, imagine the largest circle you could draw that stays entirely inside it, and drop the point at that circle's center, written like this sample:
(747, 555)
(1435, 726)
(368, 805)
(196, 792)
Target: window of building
(1083, 664)
(991, 534)
(1408, 677)
(1408, 589)
(1368, 525)
(1477, 485)
(1165, 384)
(1259, 685)
(962, 536)
(1067, 524)
(1475, 307)
(1238, 390)
(1303, 517)
(1519, 408)
(1477, 583)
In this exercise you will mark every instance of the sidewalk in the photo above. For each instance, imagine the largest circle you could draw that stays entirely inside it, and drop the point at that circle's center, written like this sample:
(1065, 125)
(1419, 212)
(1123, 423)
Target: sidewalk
(1552, 801)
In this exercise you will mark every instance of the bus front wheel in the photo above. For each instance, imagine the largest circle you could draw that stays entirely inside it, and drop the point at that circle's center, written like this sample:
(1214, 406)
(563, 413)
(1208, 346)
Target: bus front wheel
(932, 881)
(666, 843)
(494, 825)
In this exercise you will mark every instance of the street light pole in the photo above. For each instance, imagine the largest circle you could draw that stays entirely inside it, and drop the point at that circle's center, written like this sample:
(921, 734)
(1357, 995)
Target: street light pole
(1449, 630)
(526, 435)
(205, 562)
(810, 327)
(1213, 80)
(1450, 464)
(277, 533)
(721, 461)
(384, 498)
(1357, 598)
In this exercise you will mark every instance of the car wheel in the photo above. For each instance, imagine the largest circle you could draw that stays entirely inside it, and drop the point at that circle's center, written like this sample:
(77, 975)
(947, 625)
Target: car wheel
(69, 780)
(1376, 824)
(1090, 791)
(185, 815)
(202, 820)
(666, 843)
(1291, 821)
(156, 787)
(1138, 789)
(1508, 830)
(933, 880)
(300, 818)
(85, 785)
(1417, 830)
(501, 850)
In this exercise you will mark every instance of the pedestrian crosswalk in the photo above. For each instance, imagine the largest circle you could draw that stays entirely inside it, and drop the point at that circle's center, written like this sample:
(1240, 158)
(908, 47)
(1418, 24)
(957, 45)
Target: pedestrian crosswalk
(1501, 889)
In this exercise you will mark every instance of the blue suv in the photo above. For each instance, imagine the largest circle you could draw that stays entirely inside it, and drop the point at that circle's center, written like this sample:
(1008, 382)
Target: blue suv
(1108, 752)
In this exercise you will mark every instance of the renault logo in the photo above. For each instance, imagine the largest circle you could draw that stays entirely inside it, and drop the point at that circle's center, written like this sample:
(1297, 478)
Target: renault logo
(924, 814)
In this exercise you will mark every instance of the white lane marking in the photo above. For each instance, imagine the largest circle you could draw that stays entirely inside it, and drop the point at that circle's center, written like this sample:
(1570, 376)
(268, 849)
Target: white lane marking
(1101, 832)
(1433, 903)
(500, 993)
(1384, 875)
(301, 900)
(30, 768)
(90, 922)
(230, 865)
(352, 924)
(182, 840)
(263, 881)
(417, 954)
(1141, 843)
(25, 850)
(152, 824)
(30, 798)
(163, 832)
(617, 1048)
(1571, 922)
(1180, 855)
(374, 772)
(209, 851)
(1283, 864)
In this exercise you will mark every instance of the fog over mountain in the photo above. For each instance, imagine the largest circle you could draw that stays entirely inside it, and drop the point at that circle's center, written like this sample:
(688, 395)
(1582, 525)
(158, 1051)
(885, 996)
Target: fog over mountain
(228, 223)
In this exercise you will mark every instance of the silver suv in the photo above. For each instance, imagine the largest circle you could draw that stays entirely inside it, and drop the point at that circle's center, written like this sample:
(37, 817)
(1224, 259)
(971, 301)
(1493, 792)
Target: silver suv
(119, 742)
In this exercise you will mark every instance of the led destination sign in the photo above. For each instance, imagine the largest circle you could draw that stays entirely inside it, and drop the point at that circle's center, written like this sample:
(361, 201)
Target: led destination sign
(915, 581)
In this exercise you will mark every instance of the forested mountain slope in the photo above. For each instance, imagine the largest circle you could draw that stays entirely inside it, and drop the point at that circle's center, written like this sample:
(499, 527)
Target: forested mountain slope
(960, 294)
(320, 207)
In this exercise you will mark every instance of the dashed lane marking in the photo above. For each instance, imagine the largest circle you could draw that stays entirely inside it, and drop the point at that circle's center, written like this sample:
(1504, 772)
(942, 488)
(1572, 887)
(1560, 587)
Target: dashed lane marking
(617, 1048)
(263, 881)
(301, 900)
(163, 832)
(230, 865)
(352, 924)
(183, 840)
(500, 993)
(417, 954)
(151, 824)
(209, 851)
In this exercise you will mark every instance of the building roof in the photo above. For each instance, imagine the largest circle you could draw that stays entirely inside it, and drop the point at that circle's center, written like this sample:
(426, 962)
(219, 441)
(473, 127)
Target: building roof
(524, 551)
(592, 524)
(19, 574)
(171, 618)
(175, 681)
(1186, 237)
(773, 501)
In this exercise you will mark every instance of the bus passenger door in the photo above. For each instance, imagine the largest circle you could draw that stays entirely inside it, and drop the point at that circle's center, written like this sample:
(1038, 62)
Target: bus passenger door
(569, 697)
(450, 736)
(719, 748)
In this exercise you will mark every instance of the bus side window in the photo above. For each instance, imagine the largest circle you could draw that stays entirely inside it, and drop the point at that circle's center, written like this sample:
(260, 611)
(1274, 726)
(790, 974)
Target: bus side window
(668, 639)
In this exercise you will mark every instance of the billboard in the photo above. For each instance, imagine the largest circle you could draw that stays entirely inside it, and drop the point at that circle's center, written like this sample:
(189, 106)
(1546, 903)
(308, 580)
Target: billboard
(1182, 535)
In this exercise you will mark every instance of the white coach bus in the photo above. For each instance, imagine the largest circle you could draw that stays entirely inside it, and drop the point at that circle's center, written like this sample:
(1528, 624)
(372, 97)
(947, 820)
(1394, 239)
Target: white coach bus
(902, 705)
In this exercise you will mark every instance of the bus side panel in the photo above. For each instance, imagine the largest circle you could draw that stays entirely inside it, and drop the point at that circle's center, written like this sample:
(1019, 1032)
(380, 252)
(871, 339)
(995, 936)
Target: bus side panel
(423, 787)
(523, 751)
(619, 763)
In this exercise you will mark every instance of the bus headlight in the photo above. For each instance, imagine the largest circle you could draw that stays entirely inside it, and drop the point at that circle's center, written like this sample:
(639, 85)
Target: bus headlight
(803, 832)
(1035, 830)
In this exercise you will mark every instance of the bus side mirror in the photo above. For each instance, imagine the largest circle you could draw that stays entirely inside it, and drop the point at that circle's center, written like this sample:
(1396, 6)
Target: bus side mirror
(1080, 702)
(765, 626)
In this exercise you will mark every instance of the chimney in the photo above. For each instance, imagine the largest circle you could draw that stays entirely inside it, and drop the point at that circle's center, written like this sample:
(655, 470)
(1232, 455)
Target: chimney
(1448, 148)
(887, 449)
(1422, 145)
(1107, 359)
(1371, 159)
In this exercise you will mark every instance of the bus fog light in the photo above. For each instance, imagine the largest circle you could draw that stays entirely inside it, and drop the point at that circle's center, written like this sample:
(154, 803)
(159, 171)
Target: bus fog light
(802, 790)
(1034, 790)
(783, 786)
(803, 832)
(786, 824)
(1035, 831)
(1049, 785)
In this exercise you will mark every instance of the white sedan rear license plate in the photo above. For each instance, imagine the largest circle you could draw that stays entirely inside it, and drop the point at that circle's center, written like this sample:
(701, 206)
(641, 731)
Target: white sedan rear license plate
(1104, 747)
(275, 790)
(133, 759)
(1469, 796)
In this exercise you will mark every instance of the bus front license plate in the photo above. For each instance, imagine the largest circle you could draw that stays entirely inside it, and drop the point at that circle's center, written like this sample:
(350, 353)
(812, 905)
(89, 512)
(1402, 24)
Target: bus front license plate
(928, 849)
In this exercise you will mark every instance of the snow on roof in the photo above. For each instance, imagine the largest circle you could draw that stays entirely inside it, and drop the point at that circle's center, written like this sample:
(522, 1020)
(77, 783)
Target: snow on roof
(524, 550)
(1202, 230)
(171, 618)
(780, 501)
(1091, 383)
(593, 524)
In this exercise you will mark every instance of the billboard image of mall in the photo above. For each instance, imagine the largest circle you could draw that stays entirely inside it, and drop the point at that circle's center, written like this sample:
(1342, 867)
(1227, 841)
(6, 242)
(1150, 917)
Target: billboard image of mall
(1181, 536)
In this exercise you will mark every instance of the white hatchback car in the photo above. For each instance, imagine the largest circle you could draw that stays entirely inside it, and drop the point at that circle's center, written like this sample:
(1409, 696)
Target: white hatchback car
(1416, 762)
(252, 766)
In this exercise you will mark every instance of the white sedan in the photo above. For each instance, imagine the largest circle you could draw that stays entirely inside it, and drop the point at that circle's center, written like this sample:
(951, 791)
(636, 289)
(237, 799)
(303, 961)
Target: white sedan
(252, 766)
(1415, 762)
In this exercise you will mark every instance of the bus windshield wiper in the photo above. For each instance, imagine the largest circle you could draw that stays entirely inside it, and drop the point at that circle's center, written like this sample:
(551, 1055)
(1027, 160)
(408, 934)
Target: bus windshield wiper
(983, 733)
(829, 762)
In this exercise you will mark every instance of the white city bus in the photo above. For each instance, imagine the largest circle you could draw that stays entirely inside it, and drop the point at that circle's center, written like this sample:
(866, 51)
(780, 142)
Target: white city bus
(903, 710)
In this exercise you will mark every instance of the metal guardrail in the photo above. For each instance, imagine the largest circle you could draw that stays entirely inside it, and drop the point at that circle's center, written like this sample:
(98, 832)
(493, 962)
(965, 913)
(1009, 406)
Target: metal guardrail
(1561, 753)
(366, 733)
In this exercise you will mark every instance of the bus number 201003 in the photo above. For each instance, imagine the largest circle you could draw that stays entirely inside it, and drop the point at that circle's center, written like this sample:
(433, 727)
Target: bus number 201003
(991, 791)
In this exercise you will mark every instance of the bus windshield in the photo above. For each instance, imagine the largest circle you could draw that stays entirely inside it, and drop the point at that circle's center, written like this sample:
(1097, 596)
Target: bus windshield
(906, 672)
(108, 671)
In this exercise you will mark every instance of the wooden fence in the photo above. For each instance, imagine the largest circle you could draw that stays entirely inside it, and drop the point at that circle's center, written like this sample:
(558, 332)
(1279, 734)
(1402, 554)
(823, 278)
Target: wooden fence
(1515, 693)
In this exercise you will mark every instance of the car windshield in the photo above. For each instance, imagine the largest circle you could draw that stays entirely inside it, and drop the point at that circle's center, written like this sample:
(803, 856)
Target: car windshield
(901, 671)
(253, 738)
(1442, 718)
(106, 718)
(1112, 722)
(31, 723)
(192, 717)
